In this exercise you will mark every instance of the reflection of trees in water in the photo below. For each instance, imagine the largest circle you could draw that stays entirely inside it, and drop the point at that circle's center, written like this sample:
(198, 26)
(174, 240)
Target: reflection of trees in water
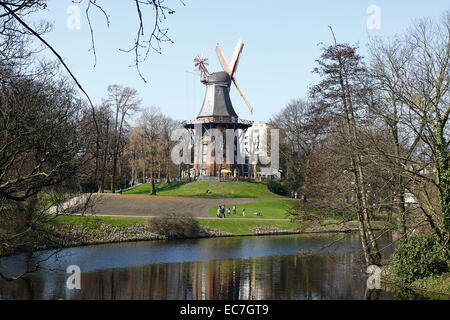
(327, 275)
(28, 285)
(276, 277)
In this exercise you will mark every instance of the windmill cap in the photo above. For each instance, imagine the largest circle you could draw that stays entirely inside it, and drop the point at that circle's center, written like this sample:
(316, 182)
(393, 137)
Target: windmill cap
(219, 77)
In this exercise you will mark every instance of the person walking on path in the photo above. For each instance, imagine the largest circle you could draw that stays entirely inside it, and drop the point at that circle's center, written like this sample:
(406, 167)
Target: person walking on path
(234, 209)
(243, 212)
(229, 212)
(218, 212)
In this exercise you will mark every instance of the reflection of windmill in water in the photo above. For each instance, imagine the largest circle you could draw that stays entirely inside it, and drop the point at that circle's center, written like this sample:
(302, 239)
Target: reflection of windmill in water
(217, 113)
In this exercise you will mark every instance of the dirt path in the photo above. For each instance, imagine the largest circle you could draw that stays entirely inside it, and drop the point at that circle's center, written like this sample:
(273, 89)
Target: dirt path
(153, 206)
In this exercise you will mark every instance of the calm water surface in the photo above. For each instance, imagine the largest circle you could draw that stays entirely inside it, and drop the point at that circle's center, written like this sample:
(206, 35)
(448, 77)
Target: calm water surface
(263, 267)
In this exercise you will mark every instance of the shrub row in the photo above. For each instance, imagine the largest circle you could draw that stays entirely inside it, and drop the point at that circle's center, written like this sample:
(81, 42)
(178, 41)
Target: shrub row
(174, 226)
(418, 257)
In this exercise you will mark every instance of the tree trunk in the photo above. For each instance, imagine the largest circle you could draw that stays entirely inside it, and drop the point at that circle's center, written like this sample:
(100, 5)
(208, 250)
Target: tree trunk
(113, 174)
(152, 181)
(371, 252)
(153, 187)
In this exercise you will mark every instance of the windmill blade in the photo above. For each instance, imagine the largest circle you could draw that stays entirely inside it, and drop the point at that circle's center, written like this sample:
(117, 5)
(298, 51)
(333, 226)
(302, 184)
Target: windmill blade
(235, 58)
(222, 59)
(242, 95)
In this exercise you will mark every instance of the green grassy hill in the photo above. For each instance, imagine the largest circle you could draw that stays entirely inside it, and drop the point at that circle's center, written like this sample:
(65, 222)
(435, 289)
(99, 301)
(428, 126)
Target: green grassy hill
(224, 189)
(272, 206)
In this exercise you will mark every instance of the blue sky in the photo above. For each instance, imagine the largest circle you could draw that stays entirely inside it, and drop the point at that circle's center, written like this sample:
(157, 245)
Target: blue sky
(281, 44)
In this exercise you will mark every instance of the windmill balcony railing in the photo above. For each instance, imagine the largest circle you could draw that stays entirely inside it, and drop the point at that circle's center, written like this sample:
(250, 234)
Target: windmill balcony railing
(217, 120)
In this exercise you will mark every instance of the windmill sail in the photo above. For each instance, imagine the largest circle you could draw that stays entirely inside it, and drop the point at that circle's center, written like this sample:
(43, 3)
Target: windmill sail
(235, 58)
(242, 95)
(231, 68)
(223, 61)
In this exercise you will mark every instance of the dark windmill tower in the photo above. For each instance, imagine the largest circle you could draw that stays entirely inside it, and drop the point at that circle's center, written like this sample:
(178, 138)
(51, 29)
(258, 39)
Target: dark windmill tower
(217, 113)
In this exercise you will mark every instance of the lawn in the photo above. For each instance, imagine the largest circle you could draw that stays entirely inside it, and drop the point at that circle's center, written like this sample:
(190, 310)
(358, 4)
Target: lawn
(233, 226)
(224, 189)
(240, 227)
(271, 208)
(145, 188)
(93, 222)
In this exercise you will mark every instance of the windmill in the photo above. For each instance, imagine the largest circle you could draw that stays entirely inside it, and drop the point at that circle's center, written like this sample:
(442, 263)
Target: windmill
(200, 62)
(217, 113)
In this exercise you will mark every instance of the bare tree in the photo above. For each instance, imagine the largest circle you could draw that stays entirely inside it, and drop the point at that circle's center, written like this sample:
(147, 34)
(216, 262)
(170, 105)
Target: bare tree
(19, 10)
(168, 125)
(42, 154)
(301, 129)
(124, 102)
(15, 27)
(151, 123)
(414, 69)
(340, 67)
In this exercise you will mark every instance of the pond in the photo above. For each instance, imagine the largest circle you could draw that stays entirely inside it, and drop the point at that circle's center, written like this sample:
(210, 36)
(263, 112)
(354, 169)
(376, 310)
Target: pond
(258, 267)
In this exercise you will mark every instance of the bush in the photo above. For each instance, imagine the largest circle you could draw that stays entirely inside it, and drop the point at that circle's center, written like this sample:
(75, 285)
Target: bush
(276, 187)
(418, 257)
(175, 226)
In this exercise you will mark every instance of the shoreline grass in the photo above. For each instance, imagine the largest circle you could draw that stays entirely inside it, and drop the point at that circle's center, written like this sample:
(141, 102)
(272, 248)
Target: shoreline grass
(235, 226)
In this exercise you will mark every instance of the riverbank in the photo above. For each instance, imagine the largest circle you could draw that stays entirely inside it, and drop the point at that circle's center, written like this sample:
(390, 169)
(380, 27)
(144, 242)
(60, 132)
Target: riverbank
(78, 231)
(74, 231)
(124, 217)
(71, 231)
(435, 285)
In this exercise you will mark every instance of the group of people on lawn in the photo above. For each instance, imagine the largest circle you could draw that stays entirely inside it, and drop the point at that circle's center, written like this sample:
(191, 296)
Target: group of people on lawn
(221, 211)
